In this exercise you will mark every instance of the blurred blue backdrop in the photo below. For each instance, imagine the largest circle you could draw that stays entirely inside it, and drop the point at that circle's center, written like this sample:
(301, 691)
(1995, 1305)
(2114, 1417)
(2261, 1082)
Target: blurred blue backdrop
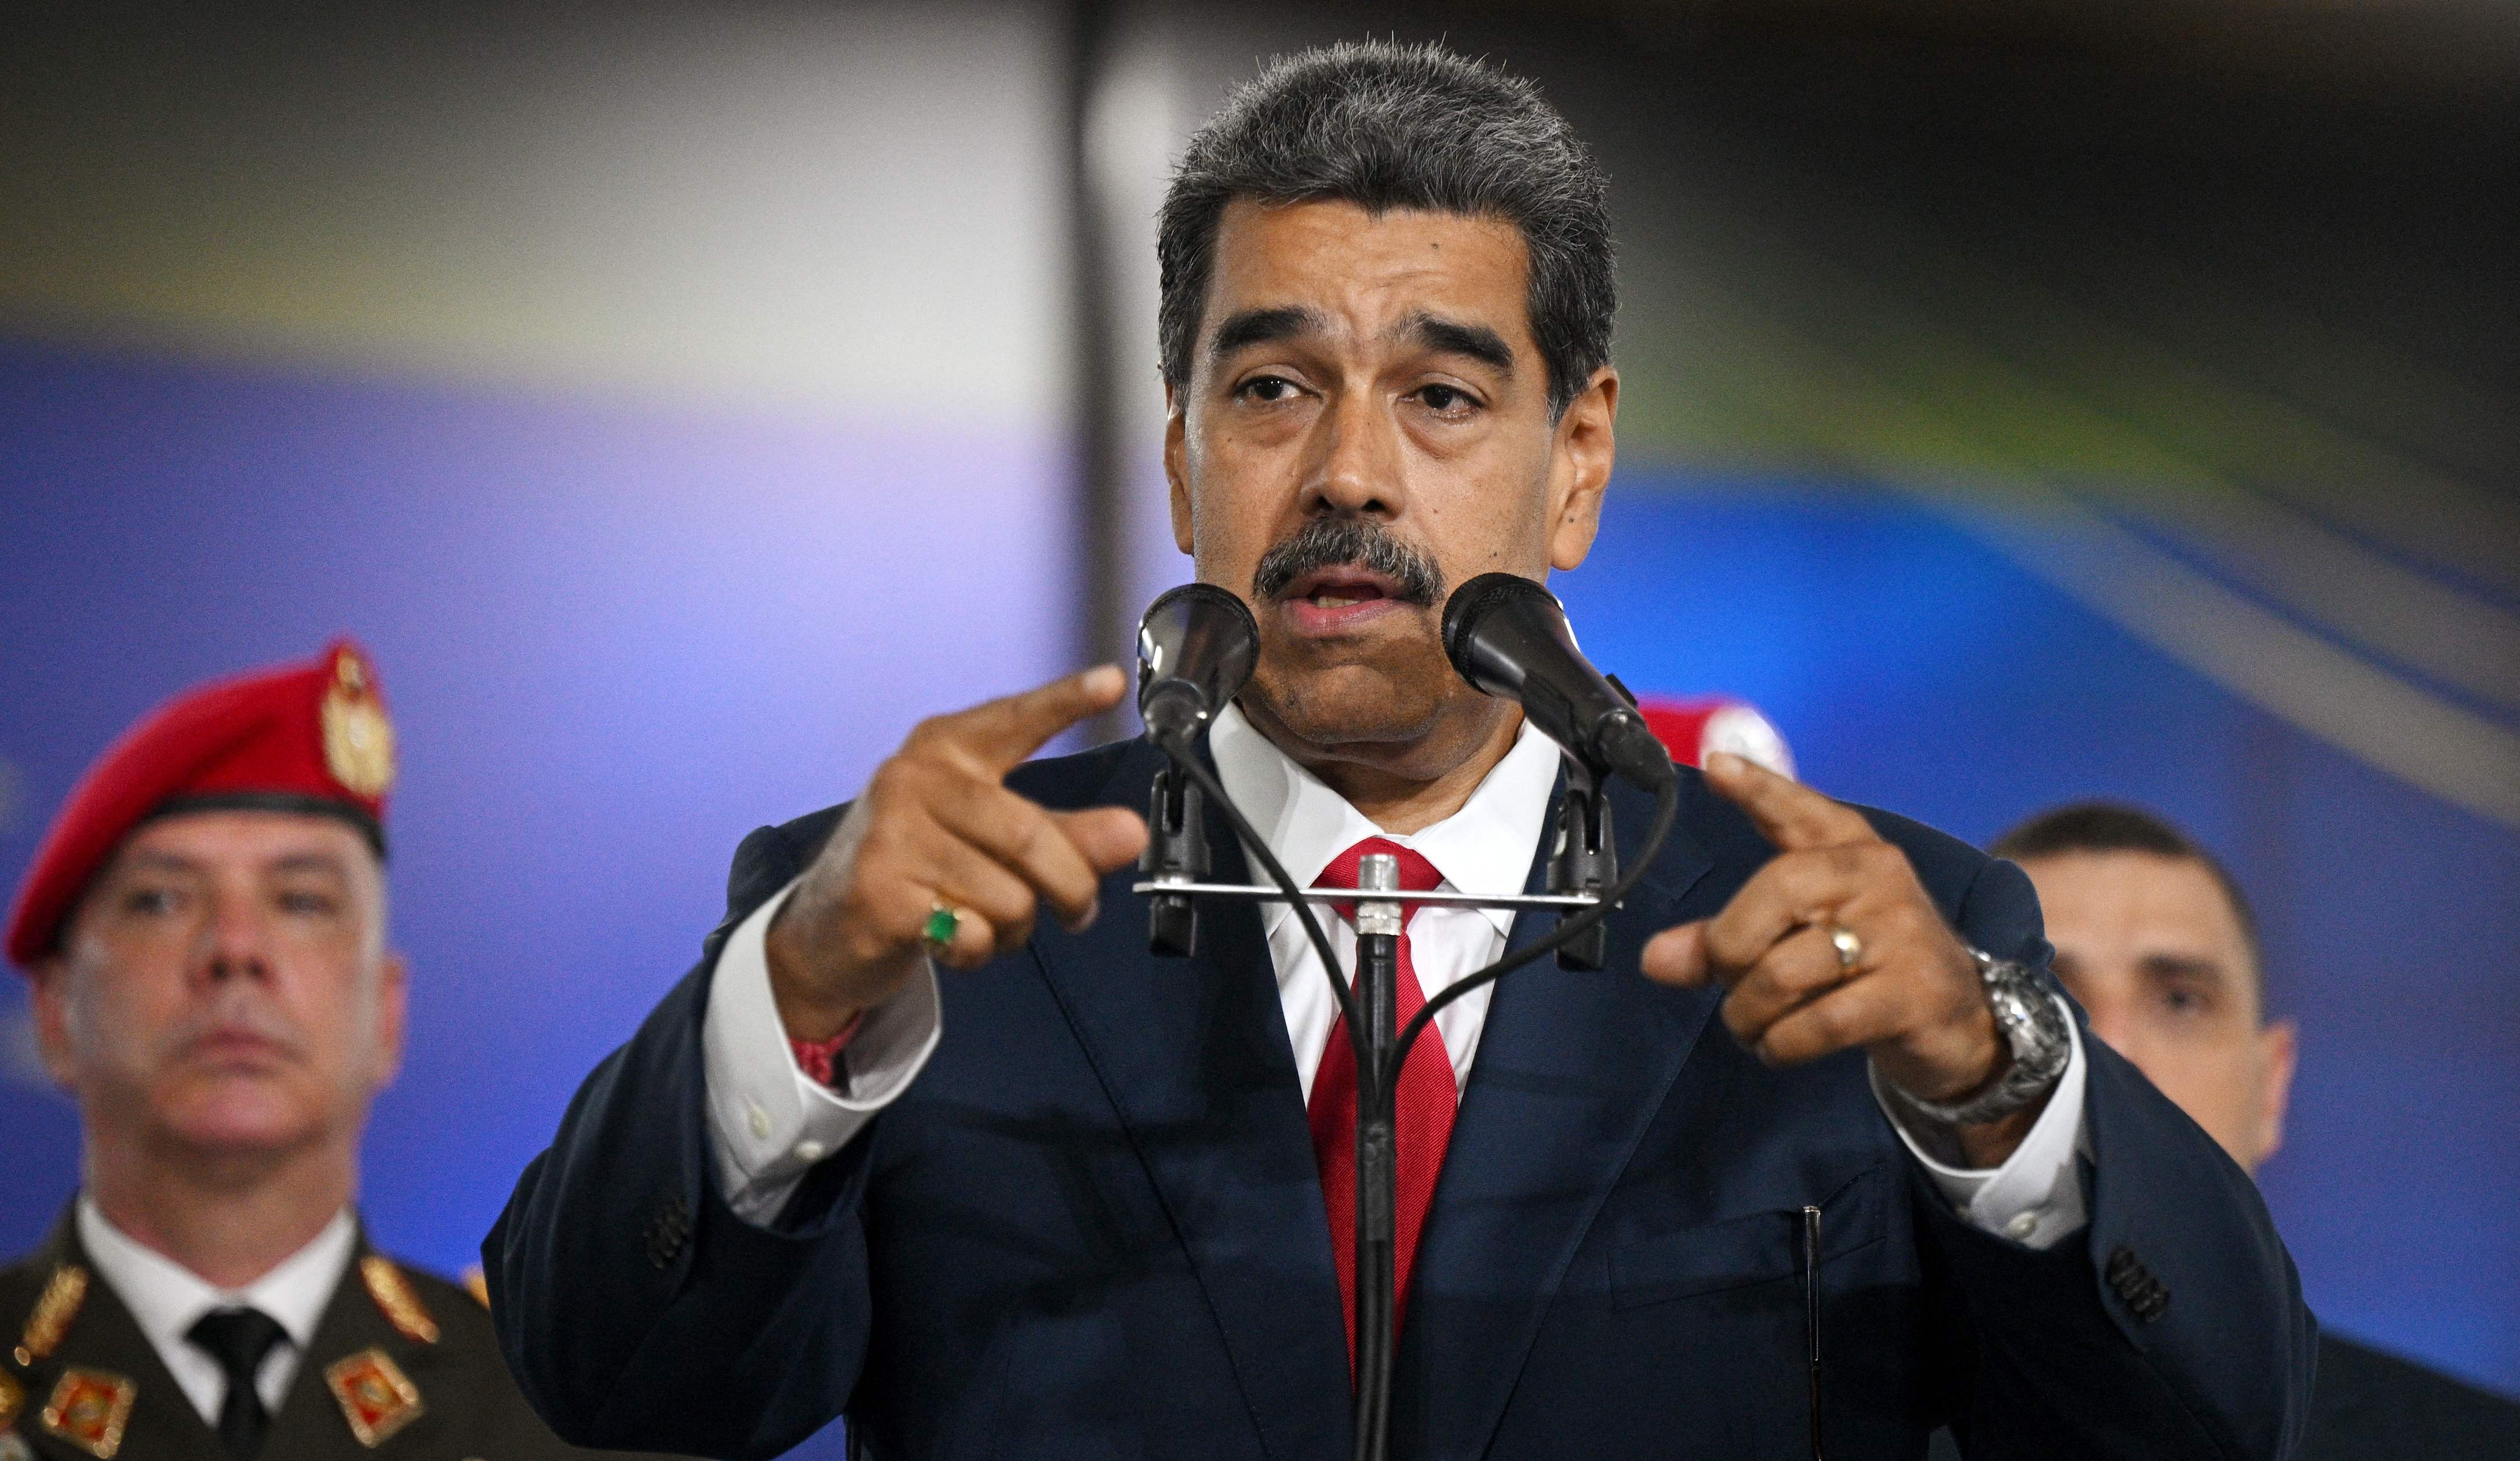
(2021, 403)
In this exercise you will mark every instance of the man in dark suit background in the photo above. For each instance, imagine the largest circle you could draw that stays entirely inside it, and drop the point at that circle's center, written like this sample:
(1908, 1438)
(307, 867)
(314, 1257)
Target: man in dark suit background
(1078, 1201)
(2156, 940)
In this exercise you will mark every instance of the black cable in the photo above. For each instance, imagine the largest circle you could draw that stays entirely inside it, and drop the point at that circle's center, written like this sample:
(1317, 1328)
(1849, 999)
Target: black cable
(1375, 1338)
(1185, 755)
(1666, 813)
(1376, 1333)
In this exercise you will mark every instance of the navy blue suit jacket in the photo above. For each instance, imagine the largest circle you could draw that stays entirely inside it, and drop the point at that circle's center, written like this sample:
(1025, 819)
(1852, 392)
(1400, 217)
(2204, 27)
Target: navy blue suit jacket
(1092, 1226)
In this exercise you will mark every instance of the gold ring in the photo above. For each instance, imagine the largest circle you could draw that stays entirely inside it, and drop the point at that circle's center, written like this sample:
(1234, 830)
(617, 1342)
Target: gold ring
(1849, 949)
(942, 922)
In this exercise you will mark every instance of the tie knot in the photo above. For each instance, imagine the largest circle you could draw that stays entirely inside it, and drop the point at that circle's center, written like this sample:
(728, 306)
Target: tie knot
(1417, 874)
(239, 1339)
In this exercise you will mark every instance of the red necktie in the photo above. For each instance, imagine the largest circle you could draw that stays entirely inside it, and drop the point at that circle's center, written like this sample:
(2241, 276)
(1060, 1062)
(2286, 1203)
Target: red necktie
(1423, 1106)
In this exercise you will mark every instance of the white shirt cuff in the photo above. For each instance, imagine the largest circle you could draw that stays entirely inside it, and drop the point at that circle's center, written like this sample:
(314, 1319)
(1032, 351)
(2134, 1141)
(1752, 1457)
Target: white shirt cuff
(2036, 1197)
(770, 1121)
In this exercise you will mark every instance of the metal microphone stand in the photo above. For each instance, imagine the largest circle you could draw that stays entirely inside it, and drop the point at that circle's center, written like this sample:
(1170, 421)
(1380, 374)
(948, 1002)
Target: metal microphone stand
(1583, 885)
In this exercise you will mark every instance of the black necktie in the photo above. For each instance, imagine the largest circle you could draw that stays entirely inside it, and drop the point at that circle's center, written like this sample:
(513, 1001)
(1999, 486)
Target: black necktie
(240, 1339)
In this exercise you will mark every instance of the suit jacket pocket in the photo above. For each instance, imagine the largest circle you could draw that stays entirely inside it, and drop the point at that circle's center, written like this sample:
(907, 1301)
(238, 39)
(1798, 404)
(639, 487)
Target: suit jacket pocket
(1756, 1249)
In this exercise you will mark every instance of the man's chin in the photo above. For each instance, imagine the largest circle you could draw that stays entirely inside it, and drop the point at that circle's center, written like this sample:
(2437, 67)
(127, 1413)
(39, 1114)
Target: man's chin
(1351, 704)
(238, 1119)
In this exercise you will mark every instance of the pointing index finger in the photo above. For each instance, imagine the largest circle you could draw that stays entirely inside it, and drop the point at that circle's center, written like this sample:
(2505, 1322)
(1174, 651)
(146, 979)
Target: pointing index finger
(1000, 733)
(1786, 812)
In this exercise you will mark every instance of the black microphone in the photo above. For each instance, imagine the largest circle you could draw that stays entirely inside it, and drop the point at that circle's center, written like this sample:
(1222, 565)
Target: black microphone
(1509, 638)
(1197, 646)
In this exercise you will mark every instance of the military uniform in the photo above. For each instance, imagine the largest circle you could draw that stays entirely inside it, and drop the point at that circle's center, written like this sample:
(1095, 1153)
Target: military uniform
(401, 1364)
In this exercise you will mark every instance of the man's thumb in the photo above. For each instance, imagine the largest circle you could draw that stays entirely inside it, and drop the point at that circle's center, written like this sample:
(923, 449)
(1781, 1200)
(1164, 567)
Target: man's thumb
(1110, 837)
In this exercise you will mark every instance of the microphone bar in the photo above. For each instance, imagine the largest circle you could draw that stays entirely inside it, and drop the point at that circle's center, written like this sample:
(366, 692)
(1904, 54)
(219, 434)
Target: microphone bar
(1266, 893)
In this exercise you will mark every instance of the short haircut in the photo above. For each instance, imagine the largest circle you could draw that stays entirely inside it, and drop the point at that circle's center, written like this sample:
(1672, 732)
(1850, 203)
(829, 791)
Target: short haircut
(1384, 125)
(2113, 827)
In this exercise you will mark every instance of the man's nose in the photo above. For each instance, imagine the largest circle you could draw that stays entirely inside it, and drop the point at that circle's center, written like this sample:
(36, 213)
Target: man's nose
(2113, 1023)
(235, 939)
(1358, 469)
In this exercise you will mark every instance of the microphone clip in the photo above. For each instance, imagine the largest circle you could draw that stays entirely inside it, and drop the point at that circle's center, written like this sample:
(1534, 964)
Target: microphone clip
(1584, 860)
(1176, 853)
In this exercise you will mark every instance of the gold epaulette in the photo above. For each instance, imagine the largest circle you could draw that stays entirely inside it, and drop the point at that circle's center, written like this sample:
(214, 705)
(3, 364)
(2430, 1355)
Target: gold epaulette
(53, 1312)
(394, 1296)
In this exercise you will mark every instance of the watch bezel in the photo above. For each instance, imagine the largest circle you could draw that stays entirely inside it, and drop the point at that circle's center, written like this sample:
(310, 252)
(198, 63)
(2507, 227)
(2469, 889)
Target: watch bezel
(2033, 1029)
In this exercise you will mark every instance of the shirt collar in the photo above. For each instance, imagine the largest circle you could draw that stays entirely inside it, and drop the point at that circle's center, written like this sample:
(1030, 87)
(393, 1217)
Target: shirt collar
(1486, 847)
(166, 1298)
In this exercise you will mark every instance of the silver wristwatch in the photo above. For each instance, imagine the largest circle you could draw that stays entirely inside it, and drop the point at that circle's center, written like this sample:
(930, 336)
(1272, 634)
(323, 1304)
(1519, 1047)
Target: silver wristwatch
(2033, 1025)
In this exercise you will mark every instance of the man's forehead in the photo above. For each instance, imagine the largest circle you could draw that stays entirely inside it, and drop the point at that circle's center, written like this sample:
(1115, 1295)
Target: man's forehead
(252, 838)
(1367, 273)
(2134, 898)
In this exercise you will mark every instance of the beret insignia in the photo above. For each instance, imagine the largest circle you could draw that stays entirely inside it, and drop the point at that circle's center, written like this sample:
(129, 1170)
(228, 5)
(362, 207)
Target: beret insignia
(358, 739)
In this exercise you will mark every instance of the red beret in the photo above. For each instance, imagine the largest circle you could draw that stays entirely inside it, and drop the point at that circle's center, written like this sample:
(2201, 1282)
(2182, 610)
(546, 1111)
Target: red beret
(306, 737)
(1691, 728)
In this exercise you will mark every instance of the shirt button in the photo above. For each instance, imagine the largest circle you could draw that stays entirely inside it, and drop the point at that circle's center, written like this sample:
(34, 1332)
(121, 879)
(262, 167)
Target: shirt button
(759, 1120)
(2022, 1225)
(810, 1151)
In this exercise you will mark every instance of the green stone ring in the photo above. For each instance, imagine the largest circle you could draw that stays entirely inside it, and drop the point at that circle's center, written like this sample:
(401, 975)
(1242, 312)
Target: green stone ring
(942, 921)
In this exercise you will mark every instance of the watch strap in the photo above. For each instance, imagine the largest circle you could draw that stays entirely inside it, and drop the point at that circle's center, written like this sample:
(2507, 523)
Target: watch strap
(2032, 1028)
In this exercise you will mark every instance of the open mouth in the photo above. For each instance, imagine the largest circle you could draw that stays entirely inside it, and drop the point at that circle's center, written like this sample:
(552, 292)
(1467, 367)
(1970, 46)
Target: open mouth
(1335, 600)
(1342, 587)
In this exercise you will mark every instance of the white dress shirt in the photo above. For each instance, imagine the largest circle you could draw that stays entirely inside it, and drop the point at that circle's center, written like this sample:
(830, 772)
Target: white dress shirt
(167, 1300)
(772, 1120)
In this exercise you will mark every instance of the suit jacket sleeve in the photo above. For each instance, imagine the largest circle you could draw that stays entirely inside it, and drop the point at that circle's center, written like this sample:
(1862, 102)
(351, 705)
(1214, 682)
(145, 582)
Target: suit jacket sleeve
(634, 1308)
(2066, 1351)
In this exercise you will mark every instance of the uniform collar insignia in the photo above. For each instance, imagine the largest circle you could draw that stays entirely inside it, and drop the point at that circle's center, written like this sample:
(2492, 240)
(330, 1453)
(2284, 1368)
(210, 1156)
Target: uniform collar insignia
(375, 1397)
(394, 1296)
(52, 1314)
(89, 1409)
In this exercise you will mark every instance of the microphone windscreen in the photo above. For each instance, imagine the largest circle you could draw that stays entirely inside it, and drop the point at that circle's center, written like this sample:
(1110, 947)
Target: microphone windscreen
(1470, 608)
(1197, 645)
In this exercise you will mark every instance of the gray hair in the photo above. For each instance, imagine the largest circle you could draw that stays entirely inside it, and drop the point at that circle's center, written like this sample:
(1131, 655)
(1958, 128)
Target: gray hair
(1383, 126)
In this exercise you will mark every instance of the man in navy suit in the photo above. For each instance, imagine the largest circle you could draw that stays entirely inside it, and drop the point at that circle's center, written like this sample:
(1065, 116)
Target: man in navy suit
(1073, 1200)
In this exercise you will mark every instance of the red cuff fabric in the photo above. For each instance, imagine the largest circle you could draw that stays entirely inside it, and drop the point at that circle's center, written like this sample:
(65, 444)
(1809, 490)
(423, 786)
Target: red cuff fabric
(819, 1059)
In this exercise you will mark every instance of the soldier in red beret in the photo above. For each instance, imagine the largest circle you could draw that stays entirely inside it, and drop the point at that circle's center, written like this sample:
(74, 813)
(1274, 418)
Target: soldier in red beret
(205, 928)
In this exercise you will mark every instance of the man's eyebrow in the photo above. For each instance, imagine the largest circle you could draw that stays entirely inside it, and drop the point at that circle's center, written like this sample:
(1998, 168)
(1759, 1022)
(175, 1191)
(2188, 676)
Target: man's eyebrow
(1258, 326)
(2184, 966)
(309, 862)
(1453, 337)
(154, 861)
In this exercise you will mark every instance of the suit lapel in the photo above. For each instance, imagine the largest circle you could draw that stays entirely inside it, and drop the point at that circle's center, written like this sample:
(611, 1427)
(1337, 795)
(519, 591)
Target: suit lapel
(1194, 1057)
(1571, 1069)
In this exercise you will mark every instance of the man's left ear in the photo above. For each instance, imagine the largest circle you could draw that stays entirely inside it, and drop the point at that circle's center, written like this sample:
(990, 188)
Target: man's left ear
(48, 995)
(1581, 454)
(2279, 1046)
(1177, 463)
(393, 986)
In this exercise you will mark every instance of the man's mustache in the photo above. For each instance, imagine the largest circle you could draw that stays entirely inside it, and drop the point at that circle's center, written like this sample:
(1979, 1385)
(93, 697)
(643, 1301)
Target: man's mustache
(235, 1010)
(1344, 542)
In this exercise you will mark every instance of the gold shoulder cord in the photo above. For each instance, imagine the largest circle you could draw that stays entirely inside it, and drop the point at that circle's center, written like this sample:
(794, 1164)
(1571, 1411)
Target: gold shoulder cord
(52, 1314)
(394, 1296)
